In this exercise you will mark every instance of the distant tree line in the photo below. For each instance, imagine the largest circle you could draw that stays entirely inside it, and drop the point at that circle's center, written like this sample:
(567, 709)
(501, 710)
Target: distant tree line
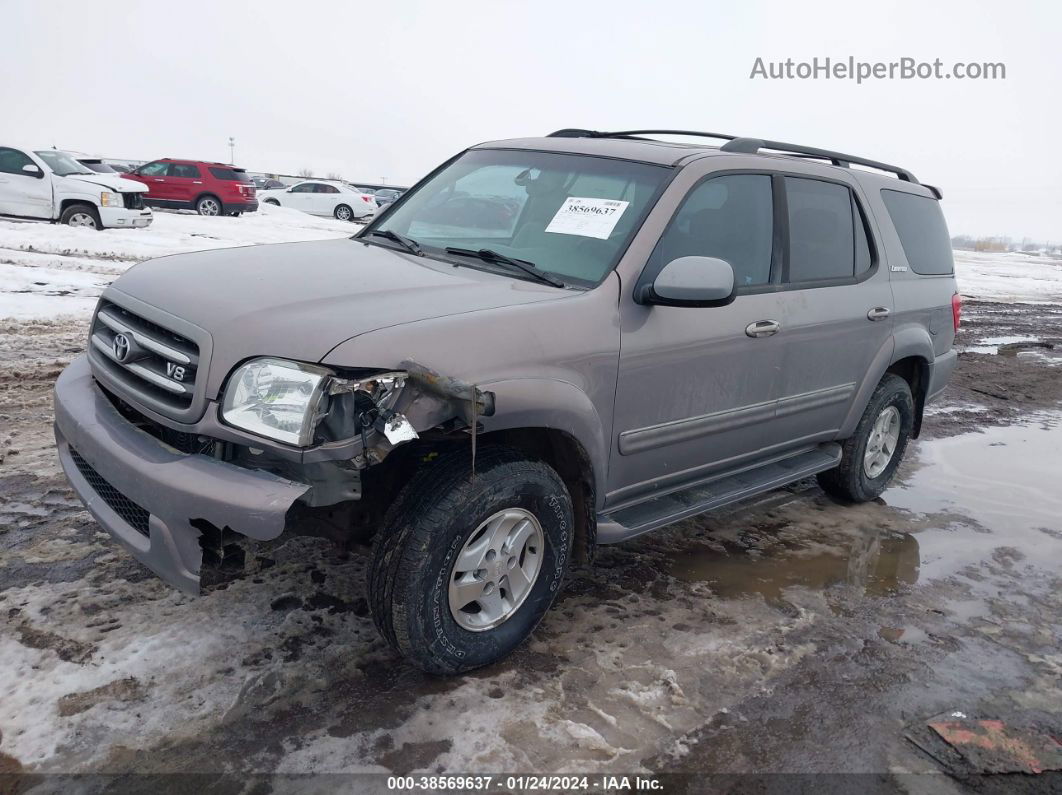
(1003, 243)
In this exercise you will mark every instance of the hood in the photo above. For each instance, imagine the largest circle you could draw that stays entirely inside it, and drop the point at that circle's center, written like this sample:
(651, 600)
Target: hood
(114, 182)
(300, 300)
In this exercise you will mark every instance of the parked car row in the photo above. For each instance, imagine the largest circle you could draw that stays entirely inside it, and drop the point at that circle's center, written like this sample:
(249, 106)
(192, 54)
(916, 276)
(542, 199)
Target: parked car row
(65, 187)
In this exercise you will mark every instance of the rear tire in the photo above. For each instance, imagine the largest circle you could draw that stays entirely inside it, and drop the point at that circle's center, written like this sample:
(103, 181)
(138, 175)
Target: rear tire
(871, 455)
(208, 205)
(422, 565)
(343, 213)
(81, 215)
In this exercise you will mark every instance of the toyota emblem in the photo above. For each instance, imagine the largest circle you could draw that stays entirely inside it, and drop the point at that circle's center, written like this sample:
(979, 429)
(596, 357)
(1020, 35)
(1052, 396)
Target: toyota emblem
(121, 347)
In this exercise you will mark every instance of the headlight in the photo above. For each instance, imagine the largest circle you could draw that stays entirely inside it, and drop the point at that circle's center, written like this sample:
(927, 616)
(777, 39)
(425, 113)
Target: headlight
(111, 199)
(277, 399)
(286, 400)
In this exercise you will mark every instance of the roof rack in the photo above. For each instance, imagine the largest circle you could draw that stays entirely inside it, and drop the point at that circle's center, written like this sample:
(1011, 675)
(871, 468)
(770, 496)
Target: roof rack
(752, 146)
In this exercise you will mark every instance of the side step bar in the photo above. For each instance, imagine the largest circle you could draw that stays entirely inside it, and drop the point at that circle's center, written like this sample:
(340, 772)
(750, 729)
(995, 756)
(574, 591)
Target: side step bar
(667, 509)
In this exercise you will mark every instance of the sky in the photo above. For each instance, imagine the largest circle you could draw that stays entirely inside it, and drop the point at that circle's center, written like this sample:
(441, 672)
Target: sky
(390, 90)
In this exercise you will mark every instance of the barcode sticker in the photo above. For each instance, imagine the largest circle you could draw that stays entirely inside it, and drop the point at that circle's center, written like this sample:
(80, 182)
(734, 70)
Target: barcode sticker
(587, 217)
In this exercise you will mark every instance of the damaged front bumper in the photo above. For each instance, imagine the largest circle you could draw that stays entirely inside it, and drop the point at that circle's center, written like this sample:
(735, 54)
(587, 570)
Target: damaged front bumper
(148, 495)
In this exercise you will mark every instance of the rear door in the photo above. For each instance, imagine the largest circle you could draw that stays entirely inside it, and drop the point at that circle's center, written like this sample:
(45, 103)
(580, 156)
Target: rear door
(836, 307)
(21, 193)
(325, 199)
(184, 182)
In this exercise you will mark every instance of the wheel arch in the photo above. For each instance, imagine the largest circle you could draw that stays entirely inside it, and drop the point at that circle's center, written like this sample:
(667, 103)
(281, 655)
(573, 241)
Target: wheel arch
(66, 204)
(908, 354)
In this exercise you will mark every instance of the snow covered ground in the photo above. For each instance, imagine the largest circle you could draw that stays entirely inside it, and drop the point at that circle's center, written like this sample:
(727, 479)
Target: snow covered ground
(49, 271)
(1009, 277)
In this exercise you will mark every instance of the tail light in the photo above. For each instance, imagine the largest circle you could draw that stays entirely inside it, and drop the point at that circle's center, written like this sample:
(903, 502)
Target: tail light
(366, 198)
(956, 310)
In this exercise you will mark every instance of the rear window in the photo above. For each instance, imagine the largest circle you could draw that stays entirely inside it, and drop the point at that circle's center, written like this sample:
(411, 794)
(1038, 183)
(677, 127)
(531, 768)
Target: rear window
(923, 233)
(229, 174)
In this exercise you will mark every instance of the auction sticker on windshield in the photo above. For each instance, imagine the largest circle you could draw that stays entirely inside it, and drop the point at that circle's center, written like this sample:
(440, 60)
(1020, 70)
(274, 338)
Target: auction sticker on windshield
(587, 217)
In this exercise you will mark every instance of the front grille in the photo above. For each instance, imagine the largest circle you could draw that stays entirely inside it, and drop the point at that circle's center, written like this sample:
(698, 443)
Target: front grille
(133, 200)
(147, 359)
(131, 513)
(190, 443)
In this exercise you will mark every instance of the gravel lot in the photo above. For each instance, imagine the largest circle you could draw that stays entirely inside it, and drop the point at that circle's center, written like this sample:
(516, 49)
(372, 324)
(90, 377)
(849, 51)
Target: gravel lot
(789, 634)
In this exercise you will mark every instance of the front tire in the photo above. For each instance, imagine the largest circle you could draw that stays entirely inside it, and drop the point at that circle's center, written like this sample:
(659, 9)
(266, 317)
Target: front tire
(274, 202)
(343, 213)
(871, 455)
(81, 215)
(466, 566)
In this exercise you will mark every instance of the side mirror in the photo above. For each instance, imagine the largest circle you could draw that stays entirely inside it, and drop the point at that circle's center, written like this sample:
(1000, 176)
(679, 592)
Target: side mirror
(691, 281)
(290, 190)
(33, 170)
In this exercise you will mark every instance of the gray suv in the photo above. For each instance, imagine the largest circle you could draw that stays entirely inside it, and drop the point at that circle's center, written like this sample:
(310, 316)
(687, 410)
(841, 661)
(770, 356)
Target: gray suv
(547, 344)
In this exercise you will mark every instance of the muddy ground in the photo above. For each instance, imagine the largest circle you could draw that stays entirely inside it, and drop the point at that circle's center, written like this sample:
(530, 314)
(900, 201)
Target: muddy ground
(786, 635)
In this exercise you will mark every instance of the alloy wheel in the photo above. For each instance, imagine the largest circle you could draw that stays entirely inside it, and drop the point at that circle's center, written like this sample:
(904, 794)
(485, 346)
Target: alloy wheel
(496, 569)
(881, 445)
(82, 219)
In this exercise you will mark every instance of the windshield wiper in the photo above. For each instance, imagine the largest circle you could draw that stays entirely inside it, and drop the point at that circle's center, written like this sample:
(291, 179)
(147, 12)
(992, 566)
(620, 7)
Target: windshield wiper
(492, 256)
(408, 243)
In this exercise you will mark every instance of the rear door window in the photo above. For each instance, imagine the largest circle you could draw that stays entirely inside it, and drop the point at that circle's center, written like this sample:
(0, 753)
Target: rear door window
(923, 233)
(822, 240)
(185, 170)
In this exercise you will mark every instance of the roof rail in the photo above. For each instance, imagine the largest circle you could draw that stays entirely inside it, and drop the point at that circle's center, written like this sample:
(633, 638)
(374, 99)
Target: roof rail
(752, 146)
(577, 133)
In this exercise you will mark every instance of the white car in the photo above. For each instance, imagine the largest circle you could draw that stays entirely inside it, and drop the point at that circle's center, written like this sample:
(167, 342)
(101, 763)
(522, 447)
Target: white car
(322, 198)
(49, 185)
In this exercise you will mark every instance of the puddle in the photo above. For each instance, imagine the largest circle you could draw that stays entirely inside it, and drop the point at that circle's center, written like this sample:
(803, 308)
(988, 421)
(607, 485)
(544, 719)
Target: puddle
(991, 496)
(1004, 480)
(1005, 344)
(876, 562)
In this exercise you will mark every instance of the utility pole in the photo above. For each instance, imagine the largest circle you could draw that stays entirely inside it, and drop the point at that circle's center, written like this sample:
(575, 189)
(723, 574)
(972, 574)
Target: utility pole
(232, 151)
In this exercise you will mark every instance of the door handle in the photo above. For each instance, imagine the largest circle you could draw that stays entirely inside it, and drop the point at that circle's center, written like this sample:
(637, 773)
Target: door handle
(197, 182)
(878, 313)
(762, 328)
(157, 179)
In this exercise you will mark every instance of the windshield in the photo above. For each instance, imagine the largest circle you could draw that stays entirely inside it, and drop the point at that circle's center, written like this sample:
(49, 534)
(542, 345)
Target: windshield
(61, 164)
(571, 215)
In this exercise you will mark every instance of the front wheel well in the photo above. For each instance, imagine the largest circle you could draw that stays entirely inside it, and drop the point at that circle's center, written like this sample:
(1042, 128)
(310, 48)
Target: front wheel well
(67, 203)
(382, 483)
(915, 371)
(569, 458)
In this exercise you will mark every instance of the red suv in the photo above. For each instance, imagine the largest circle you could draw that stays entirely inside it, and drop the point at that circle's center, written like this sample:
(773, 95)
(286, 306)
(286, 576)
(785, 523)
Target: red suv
(207, 188)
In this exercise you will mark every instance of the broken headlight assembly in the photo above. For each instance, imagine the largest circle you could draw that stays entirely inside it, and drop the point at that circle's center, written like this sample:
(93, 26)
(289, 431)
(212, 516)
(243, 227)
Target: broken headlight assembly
(287, 401)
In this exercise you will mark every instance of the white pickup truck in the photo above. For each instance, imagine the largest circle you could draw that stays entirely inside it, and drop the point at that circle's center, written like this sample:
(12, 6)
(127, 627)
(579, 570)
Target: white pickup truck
(49, 185)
